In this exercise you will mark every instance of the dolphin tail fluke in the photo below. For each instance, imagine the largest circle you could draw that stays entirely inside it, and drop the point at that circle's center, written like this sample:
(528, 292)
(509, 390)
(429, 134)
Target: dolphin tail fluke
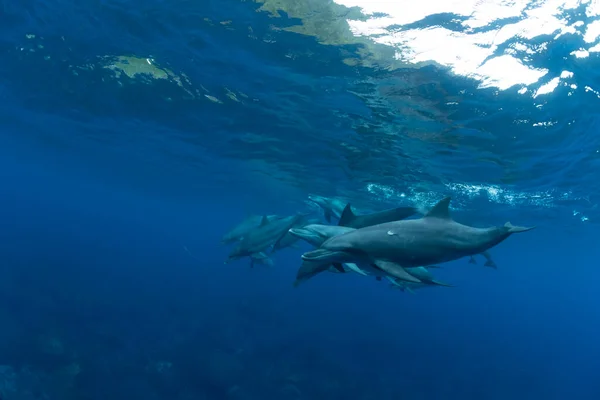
(517, 229)
(347, 216)
(396, 271)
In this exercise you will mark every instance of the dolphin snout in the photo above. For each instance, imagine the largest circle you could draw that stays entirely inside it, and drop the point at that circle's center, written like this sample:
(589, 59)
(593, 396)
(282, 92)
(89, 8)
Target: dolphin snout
(299, 232)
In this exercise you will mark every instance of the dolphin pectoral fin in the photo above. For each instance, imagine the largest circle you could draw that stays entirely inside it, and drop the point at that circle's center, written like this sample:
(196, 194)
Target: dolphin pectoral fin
(472, 260)
(353, 267)
(309, 269)
(409, 290)
(440, 283)
(517, 229)
(433, 266)
(327, 214)
(339, 267)
(396, 271)
(392, 280)
(347, 216)
(378, 278)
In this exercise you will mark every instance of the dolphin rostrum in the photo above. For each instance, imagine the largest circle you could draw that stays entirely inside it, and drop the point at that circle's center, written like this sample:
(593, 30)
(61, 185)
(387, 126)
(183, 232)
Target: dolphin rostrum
(395, 246)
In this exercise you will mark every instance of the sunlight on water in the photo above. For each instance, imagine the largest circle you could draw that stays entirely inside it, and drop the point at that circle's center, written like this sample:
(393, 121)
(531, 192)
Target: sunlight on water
(462, 192)
(478, 50)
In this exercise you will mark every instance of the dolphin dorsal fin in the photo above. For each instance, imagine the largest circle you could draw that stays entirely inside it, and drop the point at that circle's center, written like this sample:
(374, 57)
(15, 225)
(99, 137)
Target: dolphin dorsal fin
(440, 210)
(347, 216)
(264, 221)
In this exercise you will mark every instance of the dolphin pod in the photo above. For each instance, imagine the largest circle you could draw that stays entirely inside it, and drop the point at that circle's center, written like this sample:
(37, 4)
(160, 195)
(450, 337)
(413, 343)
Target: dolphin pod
(395, 246)
(388, 245)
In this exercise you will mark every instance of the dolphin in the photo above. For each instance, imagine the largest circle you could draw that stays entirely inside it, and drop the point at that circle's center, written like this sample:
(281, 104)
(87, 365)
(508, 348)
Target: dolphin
(243, 228)
(265, 235)
(331, 206)
(395, 246)
(289, 239)
(316, 235)
(348, 218)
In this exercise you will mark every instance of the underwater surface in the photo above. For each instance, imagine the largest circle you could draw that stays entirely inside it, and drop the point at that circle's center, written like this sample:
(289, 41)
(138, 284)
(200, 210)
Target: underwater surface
(135, 135)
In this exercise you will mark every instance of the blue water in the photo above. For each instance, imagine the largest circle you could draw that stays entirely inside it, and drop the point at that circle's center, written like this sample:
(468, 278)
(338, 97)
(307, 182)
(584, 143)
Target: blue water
(116, 191)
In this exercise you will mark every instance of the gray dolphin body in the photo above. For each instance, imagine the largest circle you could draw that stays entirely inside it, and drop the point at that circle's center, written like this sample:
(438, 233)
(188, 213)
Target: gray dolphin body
(265, 235)
(395, 246)
(348, 218)
(243, 228)
(331, 206)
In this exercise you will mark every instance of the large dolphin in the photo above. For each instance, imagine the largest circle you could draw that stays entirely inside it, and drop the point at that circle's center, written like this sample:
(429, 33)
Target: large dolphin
(248, 224)
(331, 206)
(395, 246)
(348, 218)
(317, 234)
(265, 235)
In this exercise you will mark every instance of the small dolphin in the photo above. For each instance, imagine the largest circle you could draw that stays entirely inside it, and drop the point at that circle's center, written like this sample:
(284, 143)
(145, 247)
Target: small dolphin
(348, 218)
(265, 235)
(331, 206)
(240, 230)
(395, 246)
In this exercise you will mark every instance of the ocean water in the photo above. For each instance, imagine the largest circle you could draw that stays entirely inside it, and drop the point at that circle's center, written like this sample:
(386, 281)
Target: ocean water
(135, 134)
